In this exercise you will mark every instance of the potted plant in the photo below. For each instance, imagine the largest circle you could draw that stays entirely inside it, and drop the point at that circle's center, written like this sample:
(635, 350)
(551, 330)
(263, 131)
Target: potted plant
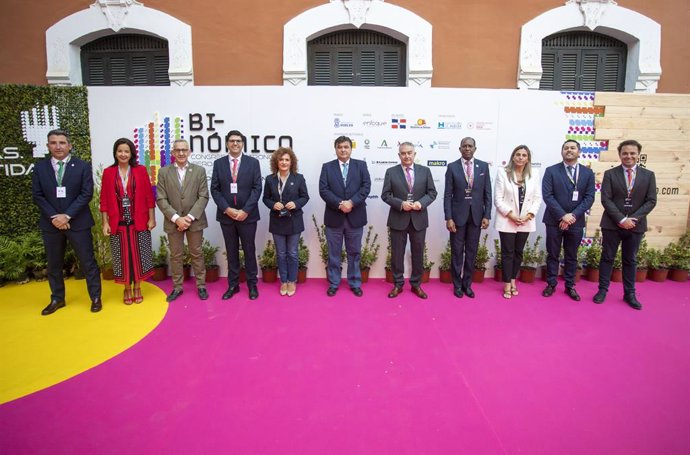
(581, 260)
(302, 260)
(12, 261)
(101, 242)
(160, 260)
(444, 274)
(617, 273)
(642, 254)
(480, 261)
(657, 265)
(323, 243)
(212, 269)
(268, 262)
(532, 257)
(369, 253)
(678, 256)
(498, 266)
(427, 264)
(389, 271)
(593, 258)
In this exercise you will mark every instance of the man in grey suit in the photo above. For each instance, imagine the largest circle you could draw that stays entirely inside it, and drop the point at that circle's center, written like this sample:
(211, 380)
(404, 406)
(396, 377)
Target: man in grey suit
(628, 194)
(409, 189)
(182, 196)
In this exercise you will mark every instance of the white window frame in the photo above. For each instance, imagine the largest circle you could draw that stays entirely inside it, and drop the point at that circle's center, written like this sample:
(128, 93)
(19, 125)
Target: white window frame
(641, 34)
(377, 15)
(106, 17)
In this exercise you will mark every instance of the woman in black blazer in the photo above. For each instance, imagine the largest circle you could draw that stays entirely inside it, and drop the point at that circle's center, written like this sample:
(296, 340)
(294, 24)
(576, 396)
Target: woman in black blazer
(285, 193)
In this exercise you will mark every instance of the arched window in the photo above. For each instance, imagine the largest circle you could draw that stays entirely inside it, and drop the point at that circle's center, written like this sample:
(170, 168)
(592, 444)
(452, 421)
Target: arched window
(357, 57)
(584, 61)
(125, 59)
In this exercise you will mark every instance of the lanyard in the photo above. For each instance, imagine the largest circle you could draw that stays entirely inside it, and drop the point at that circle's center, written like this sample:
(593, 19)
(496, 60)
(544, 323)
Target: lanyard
(577, 174)
(468, 176)
(631, 183)
(124, 180)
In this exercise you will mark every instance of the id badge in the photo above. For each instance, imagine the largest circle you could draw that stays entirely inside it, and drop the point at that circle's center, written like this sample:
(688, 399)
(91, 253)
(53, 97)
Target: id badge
(126, 202)
(627, 203)
(575, 195)
(233, 188)
(61, 192)
(468, 193)
(409, 197)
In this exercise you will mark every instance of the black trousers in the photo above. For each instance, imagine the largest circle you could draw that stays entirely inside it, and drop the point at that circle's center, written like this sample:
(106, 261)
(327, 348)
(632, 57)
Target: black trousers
(512, 247)
(398, 245)
(630, 243)
(570, 239)
(463, 246)
(82, 244)
(233, 234)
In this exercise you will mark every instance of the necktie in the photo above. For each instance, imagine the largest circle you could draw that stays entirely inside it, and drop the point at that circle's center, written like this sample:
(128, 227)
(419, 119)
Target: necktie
(468, 170)
(234, 170)
(571, 171)
(629, 171)
(409, 179)
(61, 169)
(345, 165)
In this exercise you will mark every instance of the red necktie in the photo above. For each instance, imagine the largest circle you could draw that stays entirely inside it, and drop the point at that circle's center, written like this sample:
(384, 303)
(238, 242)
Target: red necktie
(234, 176)
(629, 171)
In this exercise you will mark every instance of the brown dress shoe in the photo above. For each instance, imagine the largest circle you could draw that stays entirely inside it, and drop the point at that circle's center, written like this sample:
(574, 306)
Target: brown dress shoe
(395, 291)
(419, 292)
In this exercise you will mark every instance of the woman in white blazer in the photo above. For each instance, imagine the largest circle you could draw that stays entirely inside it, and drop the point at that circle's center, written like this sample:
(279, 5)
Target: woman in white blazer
(517, 199)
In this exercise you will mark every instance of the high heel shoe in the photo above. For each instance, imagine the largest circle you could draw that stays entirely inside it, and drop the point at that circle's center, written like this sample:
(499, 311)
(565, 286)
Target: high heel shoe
(127, 297)
(513, 290)
(507, 293)
(138, 298)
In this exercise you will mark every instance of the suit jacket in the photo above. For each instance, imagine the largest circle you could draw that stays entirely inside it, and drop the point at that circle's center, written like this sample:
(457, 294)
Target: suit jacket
(333, 190)
(295, 190)
(395, 191)
(614, 191)
(455, 206)
(189, 199)
(248, 188)
(142, 199)
(507, 199)
(557, 191)
(77, 179)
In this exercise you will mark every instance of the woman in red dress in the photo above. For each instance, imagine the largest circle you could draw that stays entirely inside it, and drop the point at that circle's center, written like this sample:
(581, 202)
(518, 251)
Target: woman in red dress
(127, 207)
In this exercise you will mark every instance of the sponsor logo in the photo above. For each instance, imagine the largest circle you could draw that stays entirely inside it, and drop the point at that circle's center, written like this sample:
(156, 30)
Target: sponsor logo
(367, 144)
(484, 126)
(445, 125)
(440, 145)
(386, 162)
(420, 123)
(384, 145)
(398, 123)
(437, 163)
(374, 123)
(339, 123)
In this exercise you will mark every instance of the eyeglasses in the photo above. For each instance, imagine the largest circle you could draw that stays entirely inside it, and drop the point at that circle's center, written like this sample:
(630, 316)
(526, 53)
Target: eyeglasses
(235, 141)
(180, 150)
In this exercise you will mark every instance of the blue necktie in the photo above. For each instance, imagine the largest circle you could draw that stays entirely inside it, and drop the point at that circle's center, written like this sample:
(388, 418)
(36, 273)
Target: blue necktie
(345, 172)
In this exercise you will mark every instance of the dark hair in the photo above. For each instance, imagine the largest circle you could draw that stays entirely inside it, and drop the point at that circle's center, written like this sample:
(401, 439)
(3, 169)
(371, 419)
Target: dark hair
(58, 132)
(340, 139)
(630, 142)
(278, 154)
(573, 141)
(510, 167)
(233, 133)
(132, 149)
(474, 143)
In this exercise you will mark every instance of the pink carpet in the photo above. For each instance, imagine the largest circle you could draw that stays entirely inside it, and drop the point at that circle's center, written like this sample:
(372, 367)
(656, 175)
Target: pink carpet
(317, 375)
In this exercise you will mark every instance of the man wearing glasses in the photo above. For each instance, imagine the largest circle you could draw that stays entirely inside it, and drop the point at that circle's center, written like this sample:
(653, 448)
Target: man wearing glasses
(236, 189)
(182, 196)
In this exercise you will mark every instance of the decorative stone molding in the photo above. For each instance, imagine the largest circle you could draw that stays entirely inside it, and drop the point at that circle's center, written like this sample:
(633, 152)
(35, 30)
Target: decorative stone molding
(375, 15)
(641, 34)
(106, 17)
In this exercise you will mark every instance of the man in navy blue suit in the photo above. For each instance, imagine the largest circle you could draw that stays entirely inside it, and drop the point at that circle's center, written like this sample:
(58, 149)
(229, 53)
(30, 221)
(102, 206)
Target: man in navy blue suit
(344, 185)
(62, 187)
(467, 209)
(568, 191)
(236, 189)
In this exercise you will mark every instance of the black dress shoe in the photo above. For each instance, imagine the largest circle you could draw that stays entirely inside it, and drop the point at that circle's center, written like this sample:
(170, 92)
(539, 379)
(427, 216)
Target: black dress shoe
(469, 292)
(96, 305)
(600, 296)
(395, 291)
(52, 307)
(457, 292)
(202, 293)
(419, 292)
(174, 294)
(331, 291)
(631, 300)
(572, 293)
(253, 293)
(548, 290)
(357, 291)
(230, 292)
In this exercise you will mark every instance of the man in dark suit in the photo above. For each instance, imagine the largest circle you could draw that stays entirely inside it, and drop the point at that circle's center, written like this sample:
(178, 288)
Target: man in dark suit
(568, 191)
(628, 194)
(467, 209)
(344, 185)
(236, 189)
(409, 189)
(62, 187)
(182, 196)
